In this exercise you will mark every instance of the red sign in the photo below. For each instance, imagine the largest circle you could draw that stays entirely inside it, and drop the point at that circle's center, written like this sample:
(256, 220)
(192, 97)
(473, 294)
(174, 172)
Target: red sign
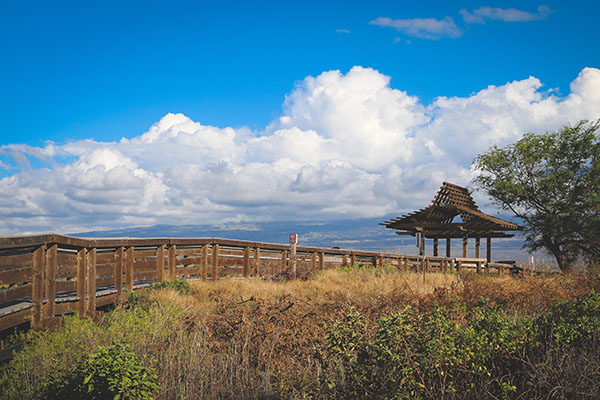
(293, 238)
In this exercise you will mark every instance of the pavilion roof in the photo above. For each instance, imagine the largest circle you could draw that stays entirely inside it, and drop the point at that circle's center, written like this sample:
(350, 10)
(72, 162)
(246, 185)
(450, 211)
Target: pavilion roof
(436, 220)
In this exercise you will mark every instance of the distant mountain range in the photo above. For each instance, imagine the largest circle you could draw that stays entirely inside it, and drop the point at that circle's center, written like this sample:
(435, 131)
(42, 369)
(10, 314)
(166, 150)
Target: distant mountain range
(355, 234)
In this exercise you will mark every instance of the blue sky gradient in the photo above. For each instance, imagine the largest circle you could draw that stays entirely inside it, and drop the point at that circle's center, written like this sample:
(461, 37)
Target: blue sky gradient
(121, 114)
(107, 70)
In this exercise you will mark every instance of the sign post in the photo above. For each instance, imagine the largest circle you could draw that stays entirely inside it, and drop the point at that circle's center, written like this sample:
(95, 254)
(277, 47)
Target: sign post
(293, 241)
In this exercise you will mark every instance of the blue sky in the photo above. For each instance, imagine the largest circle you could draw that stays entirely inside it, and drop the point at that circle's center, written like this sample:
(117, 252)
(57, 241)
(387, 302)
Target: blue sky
(287, 105)
(111, 69)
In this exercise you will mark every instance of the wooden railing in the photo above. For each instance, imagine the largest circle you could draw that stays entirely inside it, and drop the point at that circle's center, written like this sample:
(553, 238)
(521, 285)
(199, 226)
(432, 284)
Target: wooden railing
(45, 276)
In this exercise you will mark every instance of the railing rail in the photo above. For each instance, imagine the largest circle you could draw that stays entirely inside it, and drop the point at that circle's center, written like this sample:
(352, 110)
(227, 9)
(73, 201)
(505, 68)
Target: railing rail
(45, 276)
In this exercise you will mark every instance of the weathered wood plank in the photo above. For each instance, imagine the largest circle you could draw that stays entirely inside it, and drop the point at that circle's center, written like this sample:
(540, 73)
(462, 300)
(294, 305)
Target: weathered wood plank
(215, 262)
(15, 319)
(172, 260)
(11, 276)
(50, 289)
(81, 281)
(15, 293)
(129, 268)
(91, 282)
(160, 263)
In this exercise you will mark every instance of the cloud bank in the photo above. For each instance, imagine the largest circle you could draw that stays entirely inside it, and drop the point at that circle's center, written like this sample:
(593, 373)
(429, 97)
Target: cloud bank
(345, 146)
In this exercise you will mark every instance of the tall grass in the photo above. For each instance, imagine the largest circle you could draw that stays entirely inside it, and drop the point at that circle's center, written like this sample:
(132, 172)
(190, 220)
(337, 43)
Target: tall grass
(257, 339)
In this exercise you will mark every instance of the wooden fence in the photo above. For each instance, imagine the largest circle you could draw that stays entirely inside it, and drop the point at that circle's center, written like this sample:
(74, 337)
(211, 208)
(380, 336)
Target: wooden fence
(45, 276)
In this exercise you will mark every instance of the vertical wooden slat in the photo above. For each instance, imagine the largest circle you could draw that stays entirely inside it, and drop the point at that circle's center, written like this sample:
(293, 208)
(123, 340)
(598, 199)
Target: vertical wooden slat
(51, 258)
(246, 262)
(215, 262)
(352, 260)
(321, 261)
(435, 247)
(91, 291)
(172, 261)
(160, 263)
(37, 290)
(465, 247)
(257, 261)
(374, 261)
(129, 268)
(81, 281)
(119, 261)
(489, 249)
(204, 263)
(477, 247)
(313, 261)
(448, 247)
(283, 265)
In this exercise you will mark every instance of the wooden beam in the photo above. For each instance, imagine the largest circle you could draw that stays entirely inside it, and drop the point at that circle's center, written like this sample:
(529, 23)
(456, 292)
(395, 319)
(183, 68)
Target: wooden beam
(435, 247)
(246, 262)
(215, 262)
(119, 261)
(37, 291)
(81, 281)
(257, 261)
(172, 260)
(489, 249)
(448, 247)
(51, 265)
(160, 263)
(91, 289)
(204, 262)
(129, 256)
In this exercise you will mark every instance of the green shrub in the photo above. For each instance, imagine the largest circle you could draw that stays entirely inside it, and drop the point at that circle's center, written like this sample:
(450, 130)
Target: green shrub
(181, 285)
(112, 372)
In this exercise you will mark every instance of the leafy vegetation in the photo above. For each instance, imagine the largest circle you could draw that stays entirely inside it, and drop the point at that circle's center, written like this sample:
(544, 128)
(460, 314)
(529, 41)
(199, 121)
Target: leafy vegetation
(551, 182)
(353, 333)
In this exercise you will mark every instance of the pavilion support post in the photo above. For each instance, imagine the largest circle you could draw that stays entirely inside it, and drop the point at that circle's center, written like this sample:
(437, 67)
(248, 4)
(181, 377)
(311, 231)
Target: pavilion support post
(448, 247)
(422, 245)
(465, 246)
(51, 267)
(435, 247)
(489, 249)
(477, 247)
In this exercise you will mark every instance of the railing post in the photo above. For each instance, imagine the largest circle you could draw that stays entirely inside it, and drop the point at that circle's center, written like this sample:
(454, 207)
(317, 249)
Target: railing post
(321, 261)
(215, 261)
(344, 260)
(160, 263)
(91, 289)
(129, 268)
(246, 262)
(204, 262)
(313, 261)
(37, 289)
(81, 281)
(352, 260)
(172, 261)
(257, 261)
(51, 258)
(119, 261)
(282, 267)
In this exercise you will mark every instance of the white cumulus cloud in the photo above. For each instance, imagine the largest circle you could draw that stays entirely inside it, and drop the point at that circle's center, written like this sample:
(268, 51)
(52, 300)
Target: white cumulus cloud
(479, 15)
(345, 145)
(424, 28)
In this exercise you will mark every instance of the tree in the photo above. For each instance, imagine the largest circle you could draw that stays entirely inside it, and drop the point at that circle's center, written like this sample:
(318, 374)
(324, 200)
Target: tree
(551, 182)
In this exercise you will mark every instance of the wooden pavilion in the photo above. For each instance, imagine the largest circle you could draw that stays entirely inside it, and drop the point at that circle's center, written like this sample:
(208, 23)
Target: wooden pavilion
(437, 222)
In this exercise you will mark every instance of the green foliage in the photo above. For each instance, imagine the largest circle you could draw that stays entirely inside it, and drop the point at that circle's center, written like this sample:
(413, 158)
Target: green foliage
(181, 285)
(572, 322)
(552, 183)
(112, 372)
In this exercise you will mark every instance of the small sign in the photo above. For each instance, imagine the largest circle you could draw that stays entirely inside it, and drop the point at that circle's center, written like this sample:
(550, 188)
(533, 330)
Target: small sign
(293, 238)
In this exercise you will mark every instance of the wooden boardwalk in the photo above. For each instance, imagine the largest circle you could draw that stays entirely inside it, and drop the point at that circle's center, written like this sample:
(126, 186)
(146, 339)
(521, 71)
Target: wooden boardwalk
(45, 276)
